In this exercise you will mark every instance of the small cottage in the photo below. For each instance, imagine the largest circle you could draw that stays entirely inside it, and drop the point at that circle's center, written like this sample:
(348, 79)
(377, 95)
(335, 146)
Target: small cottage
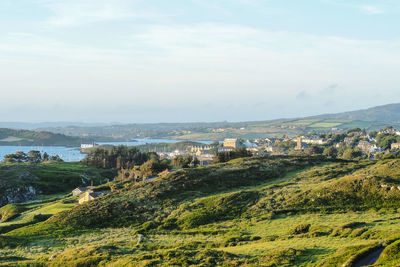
(80, 190)
(89, 195)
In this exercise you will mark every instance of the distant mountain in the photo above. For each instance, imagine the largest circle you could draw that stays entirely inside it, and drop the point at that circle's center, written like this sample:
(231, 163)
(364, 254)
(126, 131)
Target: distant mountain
(386, 113)
(11, 137)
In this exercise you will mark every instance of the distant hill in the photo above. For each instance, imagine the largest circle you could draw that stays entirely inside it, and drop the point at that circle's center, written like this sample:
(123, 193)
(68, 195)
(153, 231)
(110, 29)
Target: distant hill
(38, 125)
(386, 113)
(10, 137)
(371, 119)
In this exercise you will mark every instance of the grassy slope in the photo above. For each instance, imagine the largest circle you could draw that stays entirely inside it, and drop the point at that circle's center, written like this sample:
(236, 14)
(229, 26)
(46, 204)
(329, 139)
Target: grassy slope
(243, 212)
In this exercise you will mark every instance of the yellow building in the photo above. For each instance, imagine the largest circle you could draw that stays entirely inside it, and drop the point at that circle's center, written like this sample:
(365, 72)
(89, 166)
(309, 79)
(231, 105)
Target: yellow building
(233, 143)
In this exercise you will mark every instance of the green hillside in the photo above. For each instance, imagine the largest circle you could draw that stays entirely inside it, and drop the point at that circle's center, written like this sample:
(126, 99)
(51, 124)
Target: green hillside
(274, 211)
(10, 137)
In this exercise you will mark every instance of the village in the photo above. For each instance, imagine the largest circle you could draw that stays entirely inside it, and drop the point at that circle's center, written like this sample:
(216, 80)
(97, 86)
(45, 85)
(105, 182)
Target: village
(349, 145)
(363, 143)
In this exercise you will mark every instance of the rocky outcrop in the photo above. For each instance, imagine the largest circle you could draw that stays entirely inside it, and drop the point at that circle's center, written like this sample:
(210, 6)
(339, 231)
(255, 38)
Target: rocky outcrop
(17, 195)
(21, 189)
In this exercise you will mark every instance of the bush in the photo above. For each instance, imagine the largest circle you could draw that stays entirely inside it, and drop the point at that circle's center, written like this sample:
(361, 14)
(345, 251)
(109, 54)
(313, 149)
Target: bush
(300, 229)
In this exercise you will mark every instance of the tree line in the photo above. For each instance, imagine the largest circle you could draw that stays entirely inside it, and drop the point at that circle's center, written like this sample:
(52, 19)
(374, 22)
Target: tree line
(33, 156)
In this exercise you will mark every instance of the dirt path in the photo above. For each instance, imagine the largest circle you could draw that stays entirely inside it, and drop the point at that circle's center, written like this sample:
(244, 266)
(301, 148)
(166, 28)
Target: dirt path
(370, 258)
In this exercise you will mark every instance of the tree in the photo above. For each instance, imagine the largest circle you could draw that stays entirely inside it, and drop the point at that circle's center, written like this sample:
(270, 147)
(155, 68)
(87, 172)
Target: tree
(56, 158)
(330, 152)
(177, 161)
(373, 134)
(120, 157)
(19, 157)
(151, 167)
(34, 156)
(313, 150)
(385, 140)
(351, 154)
(229, 155)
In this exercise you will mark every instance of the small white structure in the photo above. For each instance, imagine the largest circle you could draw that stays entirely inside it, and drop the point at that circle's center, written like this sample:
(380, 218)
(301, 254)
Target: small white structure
(83, 146)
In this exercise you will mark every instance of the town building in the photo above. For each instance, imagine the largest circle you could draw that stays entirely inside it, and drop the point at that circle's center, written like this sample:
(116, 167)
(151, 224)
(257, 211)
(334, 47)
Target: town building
(348, 140)
(367, 147)
(233, 143)
(201, 150)
(311, 140)
(395, 146)
(225, 149)
(84, 146)
(206, 159)
(300, 144)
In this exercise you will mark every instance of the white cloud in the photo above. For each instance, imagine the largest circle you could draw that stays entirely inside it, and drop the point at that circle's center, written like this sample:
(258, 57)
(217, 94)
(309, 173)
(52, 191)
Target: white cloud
(217, 63)
(80, 12)
(369, 7)
(372, 10)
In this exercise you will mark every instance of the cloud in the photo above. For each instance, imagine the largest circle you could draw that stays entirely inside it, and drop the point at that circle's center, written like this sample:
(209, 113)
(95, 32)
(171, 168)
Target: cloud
(218, 63)
(330, 89)
(302, 95)
(372, 10)
(80, 12)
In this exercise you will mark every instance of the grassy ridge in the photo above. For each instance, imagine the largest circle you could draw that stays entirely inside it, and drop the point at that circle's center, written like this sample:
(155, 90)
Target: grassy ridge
(276, 211)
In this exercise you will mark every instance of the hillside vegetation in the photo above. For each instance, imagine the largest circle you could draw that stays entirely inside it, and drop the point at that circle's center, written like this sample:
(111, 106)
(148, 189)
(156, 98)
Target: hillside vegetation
(271, 211)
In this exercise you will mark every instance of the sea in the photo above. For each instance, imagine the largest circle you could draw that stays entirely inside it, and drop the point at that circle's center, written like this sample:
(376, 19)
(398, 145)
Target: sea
(70, 154)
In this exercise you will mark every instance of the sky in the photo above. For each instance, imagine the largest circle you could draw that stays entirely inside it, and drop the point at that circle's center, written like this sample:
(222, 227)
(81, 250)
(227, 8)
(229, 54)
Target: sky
(195, 60)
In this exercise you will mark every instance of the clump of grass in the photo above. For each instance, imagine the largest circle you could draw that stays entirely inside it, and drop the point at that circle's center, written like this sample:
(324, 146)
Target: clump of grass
(7, 242)
(349, 229)
(10, 211)
(278, 257)
(300, 229)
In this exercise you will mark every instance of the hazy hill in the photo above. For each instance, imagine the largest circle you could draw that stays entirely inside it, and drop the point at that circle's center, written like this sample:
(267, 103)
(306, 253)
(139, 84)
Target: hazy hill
(371, 119)
(386, 113)
(10, 137)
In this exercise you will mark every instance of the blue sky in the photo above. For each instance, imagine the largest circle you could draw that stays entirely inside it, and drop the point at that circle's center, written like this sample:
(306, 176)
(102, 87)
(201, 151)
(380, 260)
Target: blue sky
(195, 60)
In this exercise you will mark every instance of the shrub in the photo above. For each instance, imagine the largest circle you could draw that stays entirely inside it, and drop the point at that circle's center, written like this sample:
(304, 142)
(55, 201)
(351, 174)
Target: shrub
(300, 229)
